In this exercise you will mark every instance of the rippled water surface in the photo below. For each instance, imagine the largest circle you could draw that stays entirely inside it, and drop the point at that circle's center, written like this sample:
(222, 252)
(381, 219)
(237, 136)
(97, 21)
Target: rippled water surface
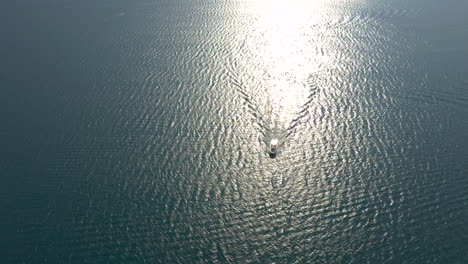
(137, 131)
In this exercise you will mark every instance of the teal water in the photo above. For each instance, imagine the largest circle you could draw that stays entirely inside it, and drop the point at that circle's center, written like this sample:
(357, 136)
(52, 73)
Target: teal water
(136, 131)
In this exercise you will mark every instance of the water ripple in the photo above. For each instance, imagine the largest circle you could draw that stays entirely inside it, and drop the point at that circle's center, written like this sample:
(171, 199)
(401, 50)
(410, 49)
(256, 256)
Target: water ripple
(154, 149)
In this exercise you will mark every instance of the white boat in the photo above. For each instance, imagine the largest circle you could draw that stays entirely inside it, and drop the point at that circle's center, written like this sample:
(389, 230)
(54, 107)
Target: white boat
(273, 146)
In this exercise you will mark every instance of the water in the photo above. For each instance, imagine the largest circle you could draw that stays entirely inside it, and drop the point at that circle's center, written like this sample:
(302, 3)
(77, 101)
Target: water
(136, 131)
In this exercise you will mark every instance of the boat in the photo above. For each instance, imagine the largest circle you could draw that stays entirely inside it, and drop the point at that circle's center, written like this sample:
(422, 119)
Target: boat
(273, 147)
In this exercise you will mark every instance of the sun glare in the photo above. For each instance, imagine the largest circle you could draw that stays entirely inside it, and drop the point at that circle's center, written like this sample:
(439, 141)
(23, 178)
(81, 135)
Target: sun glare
(286, 42)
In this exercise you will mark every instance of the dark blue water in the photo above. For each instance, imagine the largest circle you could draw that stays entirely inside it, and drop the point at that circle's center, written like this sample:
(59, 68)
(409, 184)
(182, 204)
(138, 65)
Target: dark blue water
(136, 131)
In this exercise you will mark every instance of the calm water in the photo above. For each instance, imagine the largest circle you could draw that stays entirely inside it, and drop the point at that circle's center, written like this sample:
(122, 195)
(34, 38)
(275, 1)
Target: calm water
(135, 131)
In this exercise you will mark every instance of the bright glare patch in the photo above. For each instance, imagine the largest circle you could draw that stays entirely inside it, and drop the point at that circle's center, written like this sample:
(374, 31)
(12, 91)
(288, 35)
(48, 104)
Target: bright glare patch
(286, 40)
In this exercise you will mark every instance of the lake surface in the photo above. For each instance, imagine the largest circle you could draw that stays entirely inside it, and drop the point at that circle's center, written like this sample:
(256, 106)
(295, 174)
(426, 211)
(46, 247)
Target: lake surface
(136, 131)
